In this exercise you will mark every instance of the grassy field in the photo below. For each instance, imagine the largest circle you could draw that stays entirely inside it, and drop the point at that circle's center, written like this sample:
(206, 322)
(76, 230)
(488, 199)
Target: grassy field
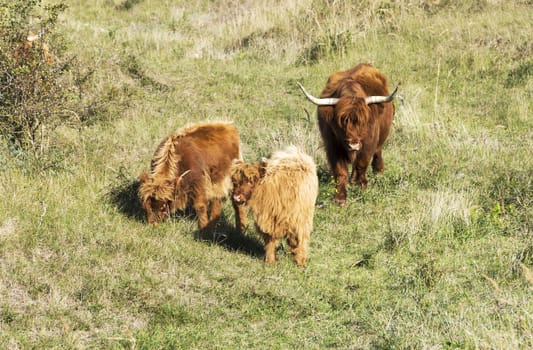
(436, 254)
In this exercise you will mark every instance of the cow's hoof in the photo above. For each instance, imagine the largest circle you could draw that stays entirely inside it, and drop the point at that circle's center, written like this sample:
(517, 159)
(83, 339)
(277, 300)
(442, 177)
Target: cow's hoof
(270, 261)
(340, 202)
(363, 184)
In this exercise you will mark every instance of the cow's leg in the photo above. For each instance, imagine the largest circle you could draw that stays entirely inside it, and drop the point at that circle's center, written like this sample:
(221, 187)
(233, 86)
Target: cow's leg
(361, 178)
(361, 164)
(292, 242)
(341, 176)
(270, 247)
(351, 157)
(299, 249)
(200, 207)
(240, 216)
(334, 153)
(216, 210)
(353, 176)
(377, 163)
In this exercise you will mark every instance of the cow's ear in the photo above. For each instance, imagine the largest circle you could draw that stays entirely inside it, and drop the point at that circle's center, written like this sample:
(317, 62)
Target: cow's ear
(144, 177)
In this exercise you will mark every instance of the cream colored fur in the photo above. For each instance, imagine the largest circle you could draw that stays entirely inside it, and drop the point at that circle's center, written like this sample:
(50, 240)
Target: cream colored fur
(283, 201)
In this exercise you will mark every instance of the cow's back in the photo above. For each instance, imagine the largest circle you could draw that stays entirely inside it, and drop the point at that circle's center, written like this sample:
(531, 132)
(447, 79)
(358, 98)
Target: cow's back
(220, 145)
(371, 80)
(213, 136)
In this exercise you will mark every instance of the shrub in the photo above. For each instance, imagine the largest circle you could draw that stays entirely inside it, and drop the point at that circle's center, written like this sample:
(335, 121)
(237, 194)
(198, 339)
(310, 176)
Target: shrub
(40, 88)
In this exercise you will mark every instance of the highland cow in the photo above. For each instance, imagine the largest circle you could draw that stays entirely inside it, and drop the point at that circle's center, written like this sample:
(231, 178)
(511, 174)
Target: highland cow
(354, 118)
(191, 166)
(280, 193)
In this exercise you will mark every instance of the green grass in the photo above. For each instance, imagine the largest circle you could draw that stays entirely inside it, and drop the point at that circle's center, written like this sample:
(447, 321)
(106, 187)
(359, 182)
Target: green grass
(434, 254)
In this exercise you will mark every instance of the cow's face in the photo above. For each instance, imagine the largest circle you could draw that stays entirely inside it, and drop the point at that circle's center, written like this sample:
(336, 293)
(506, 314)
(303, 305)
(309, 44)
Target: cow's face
(245, 178)
(352, 122)
(156, 198)
(157, 210)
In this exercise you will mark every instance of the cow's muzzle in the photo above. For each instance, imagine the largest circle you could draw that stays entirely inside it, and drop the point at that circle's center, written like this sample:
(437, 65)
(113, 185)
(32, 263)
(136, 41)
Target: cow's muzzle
(354, 146)
(239, 199)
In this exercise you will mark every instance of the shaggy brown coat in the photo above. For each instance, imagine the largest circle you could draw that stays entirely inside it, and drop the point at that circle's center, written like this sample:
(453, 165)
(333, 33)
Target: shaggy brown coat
(281, 193)
(191, 166)
(354, 130)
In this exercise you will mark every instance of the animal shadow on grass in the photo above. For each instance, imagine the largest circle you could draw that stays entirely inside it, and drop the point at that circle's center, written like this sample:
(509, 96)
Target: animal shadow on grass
(123, 195)
(226, 235)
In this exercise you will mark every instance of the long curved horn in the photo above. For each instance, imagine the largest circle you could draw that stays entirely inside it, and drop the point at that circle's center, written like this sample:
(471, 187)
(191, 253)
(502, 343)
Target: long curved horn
(381, 99)
(318, 101)
(182, 175)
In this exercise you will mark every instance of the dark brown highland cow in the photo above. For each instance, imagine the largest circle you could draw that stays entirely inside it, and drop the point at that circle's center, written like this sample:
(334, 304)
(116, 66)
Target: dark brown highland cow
(191, 166)
(354, 117)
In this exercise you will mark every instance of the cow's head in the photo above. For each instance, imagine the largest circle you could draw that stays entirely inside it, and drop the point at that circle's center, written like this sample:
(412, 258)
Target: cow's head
(245, 178)
(160, 197)
(156, 197)
(352, 114)
(350, 124)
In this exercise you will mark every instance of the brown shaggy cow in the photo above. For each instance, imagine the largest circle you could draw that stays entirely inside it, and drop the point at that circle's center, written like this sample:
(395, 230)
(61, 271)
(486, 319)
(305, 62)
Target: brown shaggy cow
(281, 193)
(191, 165)
(354, 118)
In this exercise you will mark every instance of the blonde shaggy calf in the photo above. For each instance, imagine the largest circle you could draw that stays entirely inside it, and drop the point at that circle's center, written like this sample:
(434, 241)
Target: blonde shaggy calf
(281, 193)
